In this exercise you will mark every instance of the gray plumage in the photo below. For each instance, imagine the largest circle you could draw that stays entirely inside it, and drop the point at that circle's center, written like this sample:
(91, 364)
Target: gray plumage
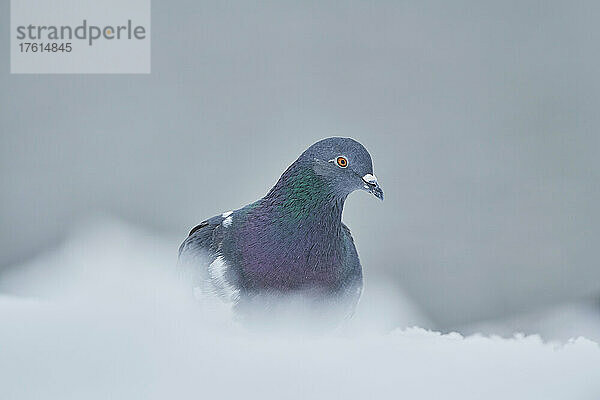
(291, 244)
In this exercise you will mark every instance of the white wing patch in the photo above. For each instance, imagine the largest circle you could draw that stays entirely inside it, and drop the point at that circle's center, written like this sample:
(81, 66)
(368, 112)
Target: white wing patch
(217, 270)
(228, 218)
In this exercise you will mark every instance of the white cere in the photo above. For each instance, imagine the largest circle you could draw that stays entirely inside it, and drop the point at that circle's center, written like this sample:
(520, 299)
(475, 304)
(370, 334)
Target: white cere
(370, 179)
(226, 214)
(227, 221)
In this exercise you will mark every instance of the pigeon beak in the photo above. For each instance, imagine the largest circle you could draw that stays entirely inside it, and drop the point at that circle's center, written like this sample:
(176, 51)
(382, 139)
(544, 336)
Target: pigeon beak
(371, 186)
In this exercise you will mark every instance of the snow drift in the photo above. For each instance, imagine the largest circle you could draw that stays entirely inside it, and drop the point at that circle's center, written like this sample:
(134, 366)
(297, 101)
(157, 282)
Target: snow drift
(103, 317)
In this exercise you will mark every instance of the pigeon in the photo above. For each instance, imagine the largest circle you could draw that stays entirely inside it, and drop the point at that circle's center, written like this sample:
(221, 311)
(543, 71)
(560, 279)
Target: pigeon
(291, 243)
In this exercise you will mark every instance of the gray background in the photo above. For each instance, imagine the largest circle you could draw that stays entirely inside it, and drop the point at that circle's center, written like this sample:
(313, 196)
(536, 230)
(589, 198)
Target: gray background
(481, 118)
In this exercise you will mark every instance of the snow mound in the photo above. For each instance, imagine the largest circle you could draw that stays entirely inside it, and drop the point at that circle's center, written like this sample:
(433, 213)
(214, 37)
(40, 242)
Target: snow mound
(102, 318)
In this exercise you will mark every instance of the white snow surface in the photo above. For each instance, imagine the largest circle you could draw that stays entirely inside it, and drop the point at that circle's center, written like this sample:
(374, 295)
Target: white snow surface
(104, 317)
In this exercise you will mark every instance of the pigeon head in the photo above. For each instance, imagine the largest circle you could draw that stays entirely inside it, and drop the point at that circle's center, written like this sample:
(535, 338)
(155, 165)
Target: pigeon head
(344, 164)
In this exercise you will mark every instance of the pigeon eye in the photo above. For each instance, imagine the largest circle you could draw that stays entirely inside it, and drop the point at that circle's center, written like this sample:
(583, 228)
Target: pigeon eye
(341, 161)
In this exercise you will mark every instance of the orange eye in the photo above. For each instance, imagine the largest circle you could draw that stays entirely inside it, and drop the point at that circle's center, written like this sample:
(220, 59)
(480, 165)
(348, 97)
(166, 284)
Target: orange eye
(342, 161)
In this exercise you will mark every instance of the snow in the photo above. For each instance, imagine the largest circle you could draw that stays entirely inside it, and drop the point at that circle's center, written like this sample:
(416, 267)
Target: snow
(557, 322)
(103, 317)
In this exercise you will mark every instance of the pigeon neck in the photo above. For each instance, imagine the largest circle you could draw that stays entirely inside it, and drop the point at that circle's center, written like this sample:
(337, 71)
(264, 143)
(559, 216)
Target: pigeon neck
(306, 199)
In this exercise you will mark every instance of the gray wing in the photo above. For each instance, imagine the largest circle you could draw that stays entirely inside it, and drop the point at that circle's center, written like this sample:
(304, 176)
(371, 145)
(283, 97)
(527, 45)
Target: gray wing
(200, 240)
(202, 263)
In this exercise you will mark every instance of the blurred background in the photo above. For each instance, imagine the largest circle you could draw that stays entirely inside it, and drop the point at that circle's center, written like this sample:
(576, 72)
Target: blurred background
(481, 117)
